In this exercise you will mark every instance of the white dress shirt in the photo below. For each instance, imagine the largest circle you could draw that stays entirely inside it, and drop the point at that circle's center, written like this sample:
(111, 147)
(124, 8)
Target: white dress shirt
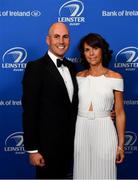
(64, 71)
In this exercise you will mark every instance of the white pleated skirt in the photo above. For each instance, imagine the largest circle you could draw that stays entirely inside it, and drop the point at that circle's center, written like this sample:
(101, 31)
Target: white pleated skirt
(95, 149)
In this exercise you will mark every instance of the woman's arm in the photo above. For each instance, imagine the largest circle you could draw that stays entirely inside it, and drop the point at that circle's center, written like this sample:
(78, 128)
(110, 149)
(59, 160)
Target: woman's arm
(120, 125)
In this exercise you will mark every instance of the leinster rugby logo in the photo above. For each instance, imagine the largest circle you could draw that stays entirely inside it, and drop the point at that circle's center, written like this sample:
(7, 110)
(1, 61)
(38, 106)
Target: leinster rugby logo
(127, 58)
(14, 143)
(74, 8)
(130, 142)
(71, 12)
(14, 59)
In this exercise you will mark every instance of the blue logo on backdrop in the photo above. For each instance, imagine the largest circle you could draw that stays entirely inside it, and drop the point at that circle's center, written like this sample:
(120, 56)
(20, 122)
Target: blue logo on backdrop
(70, 12)
(73, 8)
(35, 13)
(130, 142)
(14, 143)
(14, 59)
(127, 58)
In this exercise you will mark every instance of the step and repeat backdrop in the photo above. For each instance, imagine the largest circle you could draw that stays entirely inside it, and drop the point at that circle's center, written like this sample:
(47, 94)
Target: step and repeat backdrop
(24, 26)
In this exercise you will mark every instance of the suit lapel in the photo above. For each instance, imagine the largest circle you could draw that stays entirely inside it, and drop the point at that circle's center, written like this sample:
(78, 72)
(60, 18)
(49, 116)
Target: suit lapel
(52, 69)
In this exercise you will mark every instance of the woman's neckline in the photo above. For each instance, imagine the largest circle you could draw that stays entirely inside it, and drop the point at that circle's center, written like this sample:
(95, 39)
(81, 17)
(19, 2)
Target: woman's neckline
(104, 72)
(89, 75)
(99, 77)
(96, 76)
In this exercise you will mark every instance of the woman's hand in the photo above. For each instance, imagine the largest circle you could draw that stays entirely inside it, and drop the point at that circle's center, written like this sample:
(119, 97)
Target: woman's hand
(120, 155)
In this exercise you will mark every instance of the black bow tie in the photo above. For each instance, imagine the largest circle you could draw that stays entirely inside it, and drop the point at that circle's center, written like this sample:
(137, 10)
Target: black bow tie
(60, 62)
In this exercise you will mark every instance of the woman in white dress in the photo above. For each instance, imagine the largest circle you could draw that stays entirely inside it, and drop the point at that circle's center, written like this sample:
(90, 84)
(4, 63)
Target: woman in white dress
(99, 144)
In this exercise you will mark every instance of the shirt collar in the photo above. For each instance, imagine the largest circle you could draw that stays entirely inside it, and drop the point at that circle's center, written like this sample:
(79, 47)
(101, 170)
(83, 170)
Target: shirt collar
(53, 57)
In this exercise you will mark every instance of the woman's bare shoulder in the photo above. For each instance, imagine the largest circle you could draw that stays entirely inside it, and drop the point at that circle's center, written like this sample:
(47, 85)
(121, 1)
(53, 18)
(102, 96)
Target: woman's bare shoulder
(114, 74)
(82, 73)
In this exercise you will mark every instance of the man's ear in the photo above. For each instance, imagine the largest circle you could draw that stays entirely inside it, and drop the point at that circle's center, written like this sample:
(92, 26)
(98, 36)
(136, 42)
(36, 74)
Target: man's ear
(47, 40)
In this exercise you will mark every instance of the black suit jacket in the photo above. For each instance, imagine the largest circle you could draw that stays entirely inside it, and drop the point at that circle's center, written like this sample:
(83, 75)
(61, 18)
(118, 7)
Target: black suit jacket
(48, 115)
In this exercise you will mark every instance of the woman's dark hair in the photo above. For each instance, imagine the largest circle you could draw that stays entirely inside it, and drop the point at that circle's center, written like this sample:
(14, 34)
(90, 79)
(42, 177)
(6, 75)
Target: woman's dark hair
(95, 40)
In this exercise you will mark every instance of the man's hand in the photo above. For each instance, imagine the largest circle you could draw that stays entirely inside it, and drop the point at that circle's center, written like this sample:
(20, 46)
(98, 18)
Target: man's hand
(36, 159)
(113, 115)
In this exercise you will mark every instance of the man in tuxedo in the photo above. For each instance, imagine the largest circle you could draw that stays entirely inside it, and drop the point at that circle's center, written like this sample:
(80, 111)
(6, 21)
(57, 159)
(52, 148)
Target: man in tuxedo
(50, 102)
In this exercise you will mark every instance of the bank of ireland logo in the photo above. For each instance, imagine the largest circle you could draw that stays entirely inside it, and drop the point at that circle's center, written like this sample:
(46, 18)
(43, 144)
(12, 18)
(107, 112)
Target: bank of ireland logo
(130, 142)
(71, 12)
(127, 58)
(35, 13)
(14, 143)
(14, 59)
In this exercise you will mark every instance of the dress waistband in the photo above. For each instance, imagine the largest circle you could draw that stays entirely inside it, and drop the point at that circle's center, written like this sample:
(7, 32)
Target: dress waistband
(92, 114)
